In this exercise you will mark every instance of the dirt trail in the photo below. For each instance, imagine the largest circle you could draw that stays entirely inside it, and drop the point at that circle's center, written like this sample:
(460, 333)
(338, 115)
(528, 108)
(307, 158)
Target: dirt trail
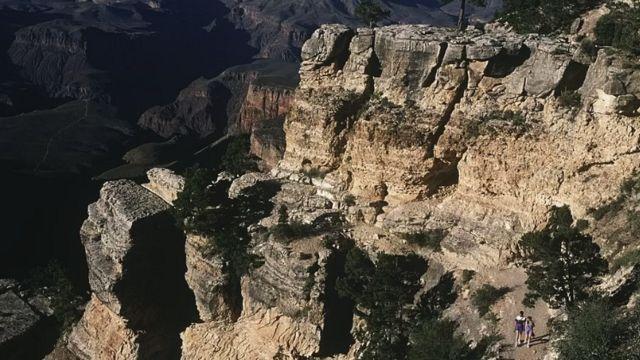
(509, 307)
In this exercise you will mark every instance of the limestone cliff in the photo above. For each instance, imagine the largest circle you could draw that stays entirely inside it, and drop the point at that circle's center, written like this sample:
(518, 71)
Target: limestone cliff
(134, 257)
(415, 108)
(392, 130)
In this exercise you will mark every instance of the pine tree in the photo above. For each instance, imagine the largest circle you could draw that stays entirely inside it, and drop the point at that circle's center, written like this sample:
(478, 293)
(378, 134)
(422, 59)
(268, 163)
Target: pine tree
(562, 262)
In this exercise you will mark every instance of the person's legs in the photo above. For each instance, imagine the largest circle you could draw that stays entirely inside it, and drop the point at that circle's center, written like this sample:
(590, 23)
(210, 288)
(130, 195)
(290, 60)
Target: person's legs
(517, 338)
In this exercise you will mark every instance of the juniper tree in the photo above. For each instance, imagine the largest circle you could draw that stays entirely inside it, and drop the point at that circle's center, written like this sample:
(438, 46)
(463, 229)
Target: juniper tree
(562, 263)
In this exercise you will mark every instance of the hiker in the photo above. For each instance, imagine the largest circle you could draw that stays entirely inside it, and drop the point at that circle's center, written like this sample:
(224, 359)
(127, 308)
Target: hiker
(528, 330)
(520, 322)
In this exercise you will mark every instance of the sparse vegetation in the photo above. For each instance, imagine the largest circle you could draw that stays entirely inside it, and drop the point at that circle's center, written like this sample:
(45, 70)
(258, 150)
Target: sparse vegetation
(437, 340)
(543, 16)
(486, 296)
(513, 122)
(596, 330)
(428, 238)
(236, 158)
(349, 200)
(620, 27)
(52, 282)
(398, 327)
(314, 173)
(311, 280)
(370, 12)
(292, 230)
(561, 262)
(467, 276)
(588, 47)
(287, 230)
(383, 293)
(203, 208)
(570, 99)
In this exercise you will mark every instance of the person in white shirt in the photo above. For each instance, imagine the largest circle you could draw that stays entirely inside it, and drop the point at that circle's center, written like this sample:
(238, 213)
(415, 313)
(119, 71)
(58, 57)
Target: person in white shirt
(519, 325)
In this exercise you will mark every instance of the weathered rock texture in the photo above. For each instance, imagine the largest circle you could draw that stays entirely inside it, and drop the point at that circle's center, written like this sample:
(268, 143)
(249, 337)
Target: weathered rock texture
(17, 320)
(413, 108)
(136, 261)
(285, 302)
(164, 183)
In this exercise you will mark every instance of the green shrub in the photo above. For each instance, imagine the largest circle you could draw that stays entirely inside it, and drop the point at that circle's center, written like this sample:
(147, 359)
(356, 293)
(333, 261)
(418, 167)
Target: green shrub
(290, 231)
(203, 208)
(236, 158)
(314, 173)
(437, 340)
(486, 296)
(595, 331)
(562, 263)
(467, 276)
(349, 200)
(384, 293)
(429, 238)
(570, 99)
(588, 47)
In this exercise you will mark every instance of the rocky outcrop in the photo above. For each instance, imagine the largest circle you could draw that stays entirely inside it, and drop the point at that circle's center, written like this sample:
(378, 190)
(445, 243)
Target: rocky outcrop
(164, 183)
(286, 302)
(18, 320)
(136, 261)
(416, 108)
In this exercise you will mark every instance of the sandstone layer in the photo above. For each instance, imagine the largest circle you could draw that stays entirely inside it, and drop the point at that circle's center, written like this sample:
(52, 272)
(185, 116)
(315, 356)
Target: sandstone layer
(136, 259)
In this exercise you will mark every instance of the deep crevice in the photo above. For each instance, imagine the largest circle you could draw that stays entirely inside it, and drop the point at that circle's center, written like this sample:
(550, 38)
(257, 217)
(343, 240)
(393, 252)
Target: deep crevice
(155, 298)
(431, 77)
(446, 116)
(336, 337)
(342, 55)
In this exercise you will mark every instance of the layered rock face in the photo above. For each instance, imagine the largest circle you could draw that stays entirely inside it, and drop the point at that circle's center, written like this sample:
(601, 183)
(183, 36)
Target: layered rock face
(247, 99)
(285, 302)
(413, 108)
(136, 261)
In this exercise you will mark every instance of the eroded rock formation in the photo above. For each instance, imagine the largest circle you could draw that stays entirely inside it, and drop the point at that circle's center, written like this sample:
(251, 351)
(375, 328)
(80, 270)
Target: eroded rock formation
(414, 108)
(136, 259)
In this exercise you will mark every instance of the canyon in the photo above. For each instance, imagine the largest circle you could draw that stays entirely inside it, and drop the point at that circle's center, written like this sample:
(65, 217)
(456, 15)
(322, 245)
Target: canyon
(391, 131)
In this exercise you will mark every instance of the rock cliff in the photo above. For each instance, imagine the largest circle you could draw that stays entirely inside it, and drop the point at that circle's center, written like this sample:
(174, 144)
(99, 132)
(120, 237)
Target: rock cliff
(416, 108)
(391, 131)
(135, 257)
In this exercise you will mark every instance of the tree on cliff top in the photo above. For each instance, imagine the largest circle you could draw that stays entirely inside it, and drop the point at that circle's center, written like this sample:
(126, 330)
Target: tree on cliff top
(370, 12)
(562, 263)
(543, 16)
(462, 21)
